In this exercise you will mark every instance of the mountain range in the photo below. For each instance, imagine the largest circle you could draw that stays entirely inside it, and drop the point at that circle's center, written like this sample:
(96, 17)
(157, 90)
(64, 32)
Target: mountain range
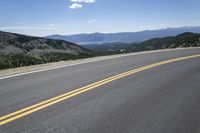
(18, 50)
(125, 37)
(186, 39)
(21, 50)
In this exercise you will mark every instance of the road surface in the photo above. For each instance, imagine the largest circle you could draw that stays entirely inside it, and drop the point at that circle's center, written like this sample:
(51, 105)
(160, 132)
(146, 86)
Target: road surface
(145, 98)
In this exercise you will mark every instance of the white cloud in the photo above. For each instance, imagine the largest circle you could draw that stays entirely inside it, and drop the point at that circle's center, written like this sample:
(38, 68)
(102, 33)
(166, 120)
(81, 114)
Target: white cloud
(152, 27)
(26, 28)
(83, 1)
(90, 21)
(75, 6)
(145, 26)
(52, 25)
(76, 3)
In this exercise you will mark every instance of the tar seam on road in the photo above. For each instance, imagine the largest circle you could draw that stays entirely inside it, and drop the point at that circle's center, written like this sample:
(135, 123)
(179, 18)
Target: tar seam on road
(44, 104)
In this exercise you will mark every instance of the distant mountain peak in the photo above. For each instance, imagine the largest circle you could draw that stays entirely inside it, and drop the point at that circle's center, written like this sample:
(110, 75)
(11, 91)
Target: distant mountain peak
(186, 34)
(35, 45)
(125, 37)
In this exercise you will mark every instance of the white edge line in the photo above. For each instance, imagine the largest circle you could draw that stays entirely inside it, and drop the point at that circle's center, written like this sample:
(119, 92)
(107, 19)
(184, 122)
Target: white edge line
(101, 58)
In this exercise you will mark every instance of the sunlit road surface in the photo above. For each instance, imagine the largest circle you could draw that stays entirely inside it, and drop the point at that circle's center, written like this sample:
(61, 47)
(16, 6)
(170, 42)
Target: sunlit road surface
(155, 92)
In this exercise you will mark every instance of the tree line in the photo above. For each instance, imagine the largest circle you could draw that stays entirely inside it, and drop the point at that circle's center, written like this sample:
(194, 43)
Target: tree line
(20, 60)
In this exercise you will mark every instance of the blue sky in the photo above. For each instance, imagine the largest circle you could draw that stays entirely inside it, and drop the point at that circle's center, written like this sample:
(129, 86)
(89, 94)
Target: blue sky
(45, 17)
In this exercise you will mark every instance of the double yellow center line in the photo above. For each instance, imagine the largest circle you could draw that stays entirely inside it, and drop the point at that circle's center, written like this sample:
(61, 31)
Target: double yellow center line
(36, 107)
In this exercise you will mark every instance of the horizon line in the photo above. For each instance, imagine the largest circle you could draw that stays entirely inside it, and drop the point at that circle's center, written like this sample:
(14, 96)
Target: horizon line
(85, 33)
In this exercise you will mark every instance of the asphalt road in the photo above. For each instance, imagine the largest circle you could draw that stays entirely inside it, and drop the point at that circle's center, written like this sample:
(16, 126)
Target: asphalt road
(163, 99)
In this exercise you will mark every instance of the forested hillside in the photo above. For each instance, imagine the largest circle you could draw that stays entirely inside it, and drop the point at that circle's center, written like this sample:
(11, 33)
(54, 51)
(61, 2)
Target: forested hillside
(20, 50)
(183, 40)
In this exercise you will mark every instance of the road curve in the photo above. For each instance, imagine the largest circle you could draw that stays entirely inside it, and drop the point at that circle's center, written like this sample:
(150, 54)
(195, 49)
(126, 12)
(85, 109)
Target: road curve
(149, 93)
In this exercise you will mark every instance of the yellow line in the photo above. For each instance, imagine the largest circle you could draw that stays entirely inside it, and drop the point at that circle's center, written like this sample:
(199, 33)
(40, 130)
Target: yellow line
(31, 109)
